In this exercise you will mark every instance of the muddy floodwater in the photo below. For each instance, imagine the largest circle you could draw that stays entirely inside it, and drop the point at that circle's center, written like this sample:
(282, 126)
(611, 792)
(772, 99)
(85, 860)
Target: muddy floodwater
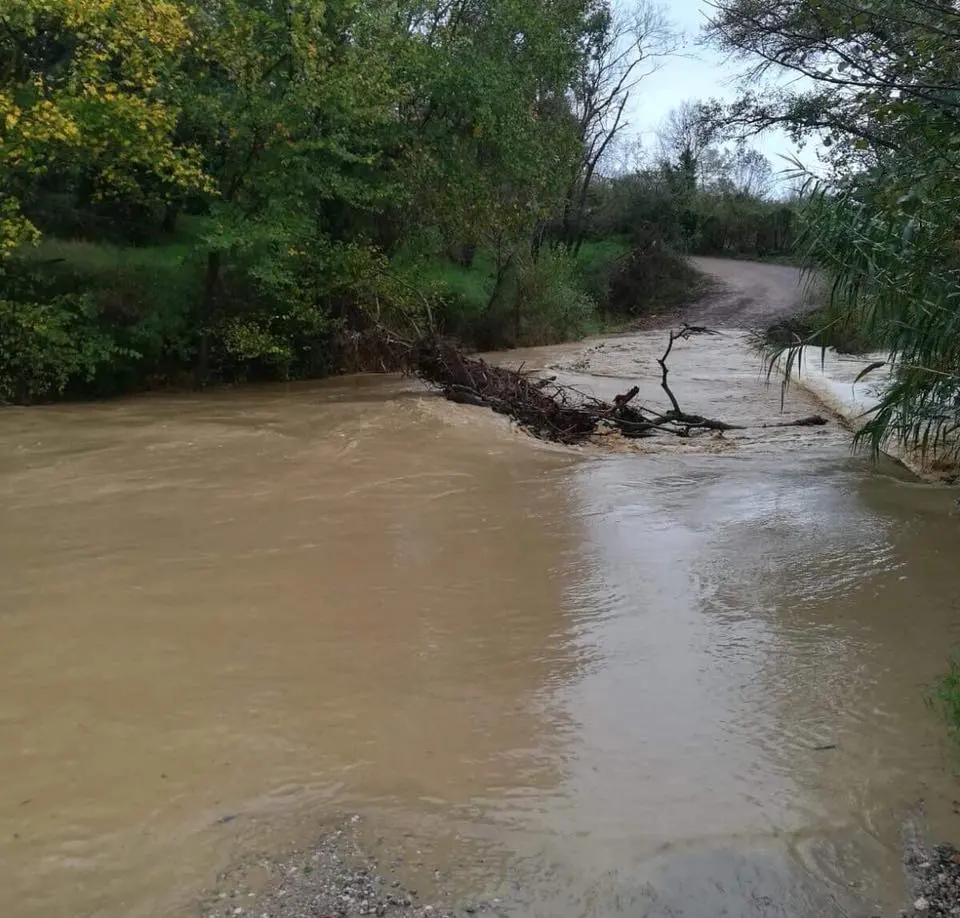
(668, 678)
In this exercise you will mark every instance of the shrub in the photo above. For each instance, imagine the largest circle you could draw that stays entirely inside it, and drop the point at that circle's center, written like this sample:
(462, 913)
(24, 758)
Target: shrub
(551, 304)
(647, 281)
(47, 347)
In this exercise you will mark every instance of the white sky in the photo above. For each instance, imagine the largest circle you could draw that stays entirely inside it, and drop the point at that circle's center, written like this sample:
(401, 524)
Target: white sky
(701, 73)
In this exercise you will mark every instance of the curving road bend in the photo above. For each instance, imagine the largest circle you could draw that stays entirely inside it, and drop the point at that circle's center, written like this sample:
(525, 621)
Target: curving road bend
(749, 294)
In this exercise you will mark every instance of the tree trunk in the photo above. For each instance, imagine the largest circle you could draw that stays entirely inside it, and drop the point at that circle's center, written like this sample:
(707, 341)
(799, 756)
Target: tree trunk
(170, 214)
(211, 279)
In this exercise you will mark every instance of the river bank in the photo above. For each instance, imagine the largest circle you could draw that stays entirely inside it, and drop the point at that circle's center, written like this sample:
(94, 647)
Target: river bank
(334, 877)
(936, 877)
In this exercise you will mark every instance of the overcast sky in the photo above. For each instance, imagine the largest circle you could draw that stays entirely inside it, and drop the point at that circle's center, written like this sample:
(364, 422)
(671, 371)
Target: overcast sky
(701, 73)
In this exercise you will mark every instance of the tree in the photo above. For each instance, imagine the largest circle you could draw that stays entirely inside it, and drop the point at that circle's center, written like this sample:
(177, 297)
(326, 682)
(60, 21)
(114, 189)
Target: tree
(866, 64)
(750, 173)
(617, 51)
(883, 92)
(487, 120)
(83, 90)
(329, 154)
(292, 104)
(487, 129)
(687, 133)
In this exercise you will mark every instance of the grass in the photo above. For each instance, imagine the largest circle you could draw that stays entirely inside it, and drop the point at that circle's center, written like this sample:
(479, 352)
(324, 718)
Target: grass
(470, 287)
(98, 258)
(598, 252)
(945, 696)
(560, 297)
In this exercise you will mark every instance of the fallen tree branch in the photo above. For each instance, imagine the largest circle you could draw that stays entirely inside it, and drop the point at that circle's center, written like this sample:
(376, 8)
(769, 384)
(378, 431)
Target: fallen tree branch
(560, 413)
(691, 420)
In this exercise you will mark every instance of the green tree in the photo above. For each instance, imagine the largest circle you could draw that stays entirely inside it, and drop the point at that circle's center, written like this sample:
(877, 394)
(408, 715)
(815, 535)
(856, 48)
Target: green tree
(290, 103)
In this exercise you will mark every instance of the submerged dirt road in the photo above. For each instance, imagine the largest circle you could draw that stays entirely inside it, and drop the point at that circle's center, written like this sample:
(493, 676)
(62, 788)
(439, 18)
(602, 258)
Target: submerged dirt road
(683, 679)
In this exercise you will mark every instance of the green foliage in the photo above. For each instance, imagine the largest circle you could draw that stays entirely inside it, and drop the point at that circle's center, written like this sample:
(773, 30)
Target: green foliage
(882, 92)
(644, 283)
(239, 190)
(84, 92)
(889, 247)
(596, 264)
(945, 696)
(45, 347)
(550, 302)
(665, 206)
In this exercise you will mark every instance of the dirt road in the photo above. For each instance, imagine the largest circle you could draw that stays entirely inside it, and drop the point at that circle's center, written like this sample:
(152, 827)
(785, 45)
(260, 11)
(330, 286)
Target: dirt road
(749, 294)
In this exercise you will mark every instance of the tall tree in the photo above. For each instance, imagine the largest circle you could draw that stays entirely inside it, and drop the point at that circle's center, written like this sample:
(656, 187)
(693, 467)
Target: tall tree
(687, 132)
(619, 48)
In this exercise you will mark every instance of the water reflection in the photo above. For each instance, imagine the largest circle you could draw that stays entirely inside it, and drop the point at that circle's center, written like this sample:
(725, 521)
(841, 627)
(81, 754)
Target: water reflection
(751, 707)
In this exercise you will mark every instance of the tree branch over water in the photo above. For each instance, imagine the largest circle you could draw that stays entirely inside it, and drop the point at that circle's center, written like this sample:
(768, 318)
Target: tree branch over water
(564, 414)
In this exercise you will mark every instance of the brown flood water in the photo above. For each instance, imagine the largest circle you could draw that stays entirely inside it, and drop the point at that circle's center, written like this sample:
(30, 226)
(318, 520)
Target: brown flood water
(593, 681)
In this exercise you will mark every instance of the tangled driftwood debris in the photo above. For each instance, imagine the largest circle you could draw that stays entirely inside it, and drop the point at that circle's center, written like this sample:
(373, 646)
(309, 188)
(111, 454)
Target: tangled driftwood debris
(561, 413)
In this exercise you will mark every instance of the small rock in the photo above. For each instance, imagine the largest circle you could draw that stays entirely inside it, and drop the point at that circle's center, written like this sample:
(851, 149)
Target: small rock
(921, 905)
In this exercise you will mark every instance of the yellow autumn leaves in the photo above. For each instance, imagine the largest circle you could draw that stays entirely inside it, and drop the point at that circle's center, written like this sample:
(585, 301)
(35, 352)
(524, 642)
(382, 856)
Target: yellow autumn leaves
(97, 105)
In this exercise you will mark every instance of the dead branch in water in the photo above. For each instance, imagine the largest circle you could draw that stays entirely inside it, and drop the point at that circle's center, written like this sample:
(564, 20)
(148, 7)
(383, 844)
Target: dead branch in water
(560, 413)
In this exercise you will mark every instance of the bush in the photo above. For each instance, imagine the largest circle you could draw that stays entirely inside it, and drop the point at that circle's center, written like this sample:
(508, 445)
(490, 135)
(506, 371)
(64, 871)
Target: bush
(597, 262)
(551, 304)
(45, 348)
(148, 302)
(538, 301)
(650, 281)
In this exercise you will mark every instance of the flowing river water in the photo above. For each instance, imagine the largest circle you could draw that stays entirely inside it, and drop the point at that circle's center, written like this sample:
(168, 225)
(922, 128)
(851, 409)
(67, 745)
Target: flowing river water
(672, 678)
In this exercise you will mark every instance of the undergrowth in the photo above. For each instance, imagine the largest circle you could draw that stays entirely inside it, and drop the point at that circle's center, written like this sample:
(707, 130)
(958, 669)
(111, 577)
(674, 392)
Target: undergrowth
(945, 696)
(95, 319)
